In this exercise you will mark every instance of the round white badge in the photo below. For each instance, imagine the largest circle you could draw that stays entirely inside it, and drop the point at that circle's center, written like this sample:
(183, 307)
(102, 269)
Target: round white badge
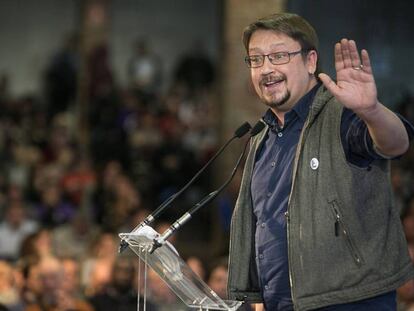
(314, 163)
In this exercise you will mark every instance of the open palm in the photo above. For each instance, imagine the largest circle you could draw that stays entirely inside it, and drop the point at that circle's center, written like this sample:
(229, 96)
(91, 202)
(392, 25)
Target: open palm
(355, 87)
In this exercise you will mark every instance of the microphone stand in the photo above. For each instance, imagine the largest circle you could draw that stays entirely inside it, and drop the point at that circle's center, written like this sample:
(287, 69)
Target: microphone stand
(240, 132)
(188, 215)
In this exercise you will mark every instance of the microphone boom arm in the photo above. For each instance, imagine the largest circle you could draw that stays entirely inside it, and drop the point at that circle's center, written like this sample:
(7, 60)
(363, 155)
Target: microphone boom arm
(188, 215)
(241, 131)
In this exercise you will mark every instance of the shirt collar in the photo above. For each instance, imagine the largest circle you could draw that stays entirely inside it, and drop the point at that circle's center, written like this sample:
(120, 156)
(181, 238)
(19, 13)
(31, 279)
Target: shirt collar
(301, 110)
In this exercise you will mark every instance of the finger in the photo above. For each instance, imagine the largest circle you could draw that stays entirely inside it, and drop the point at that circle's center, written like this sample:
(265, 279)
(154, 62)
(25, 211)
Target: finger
(366, 62)
(329, 83)
(339, 61)
(345, 53)
(353, 52)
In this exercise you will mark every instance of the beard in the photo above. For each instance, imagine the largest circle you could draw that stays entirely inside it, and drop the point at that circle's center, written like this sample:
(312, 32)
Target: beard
(276, 99)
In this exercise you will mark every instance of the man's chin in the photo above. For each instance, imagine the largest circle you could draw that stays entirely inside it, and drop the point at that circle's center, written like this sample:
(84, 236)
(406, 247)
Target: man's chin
(276, 103)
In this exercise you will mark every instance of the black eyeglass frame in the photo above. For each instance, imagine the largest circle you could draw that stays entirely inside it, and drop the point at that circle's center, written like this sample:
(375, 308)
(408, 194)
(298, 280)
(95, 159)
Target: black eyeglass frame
(247, 59)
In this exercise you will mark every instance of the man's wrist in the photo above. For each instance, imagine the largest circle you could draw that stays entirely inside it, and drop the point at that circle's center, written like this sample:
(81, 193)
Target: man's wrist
(370, 113)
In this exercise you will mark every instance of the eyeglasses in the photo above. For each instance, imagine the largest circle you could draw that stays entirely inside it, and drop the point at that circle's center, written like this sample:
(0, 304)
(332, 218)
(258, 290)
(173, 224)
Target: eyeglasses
(278, 58)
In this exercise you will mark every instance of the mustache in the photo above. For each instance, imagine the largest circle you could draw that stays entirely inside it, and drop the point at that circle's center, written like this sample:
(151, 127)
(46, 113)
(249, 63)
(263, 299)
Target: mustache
(271, 78)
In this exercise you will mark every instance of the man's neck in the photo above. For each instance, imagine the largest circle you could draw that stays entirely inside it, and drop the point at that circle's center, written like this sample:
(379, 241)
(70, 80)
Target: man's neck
(280, 114)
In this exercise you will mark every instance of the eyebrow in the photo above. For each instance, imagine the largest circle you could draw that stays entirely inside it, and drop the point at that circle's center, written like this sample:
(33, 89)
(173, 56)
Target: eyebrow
(275, 45)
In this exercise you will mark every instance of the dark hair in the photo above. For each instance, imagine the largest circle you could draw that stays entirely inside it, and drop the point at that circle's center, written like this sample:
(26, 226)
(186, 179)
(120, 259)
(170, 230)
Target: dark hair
(292, 25)
(221, 262)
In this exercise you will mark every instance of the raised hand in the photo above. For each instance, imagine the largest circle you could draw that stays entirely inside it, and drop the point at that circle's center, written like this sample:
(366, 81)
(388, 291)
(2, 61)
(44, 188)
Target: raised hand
(355, 87)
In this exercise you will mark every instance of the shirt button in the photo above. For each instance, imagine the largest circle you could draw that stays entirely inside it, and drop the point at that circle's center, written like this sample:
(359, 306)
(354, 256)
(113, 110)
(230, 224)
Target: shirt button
(263, 225)
(273, 164)
(280, 134)
(266, 287)
(261, 256)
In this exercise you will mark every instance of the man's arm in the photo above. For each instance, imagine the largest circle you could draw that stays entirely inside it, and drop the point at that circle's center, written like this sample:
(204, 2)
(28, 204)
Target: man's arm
(388, 133)
(355, 88)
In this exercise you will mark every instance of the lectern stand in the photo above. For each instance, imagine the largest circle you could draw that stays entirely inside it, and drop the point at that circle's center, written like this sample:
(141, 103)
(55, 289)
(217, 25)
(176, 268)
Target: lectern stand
(167, 263)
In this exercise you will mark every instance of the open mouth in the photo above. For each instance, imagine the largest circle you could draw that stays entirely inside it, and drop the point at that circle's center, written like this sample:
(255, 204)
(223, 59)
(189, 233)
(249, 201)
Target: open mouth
(273, 83)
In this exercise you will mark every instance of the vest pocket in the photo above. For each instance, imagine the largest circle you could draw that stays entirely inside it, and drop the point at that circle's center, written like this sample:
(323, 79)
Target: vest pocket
(340, 229)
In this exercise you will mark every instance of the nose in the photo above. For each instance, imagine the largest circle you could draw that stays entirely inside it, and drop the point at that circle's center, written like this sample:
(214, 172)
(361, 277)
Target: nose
(267, 67)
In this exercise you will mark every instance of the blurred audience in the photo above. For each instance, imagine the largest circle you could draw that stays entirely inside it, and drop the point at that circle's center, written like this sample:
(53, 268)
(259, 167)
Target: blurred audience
(9, 293)
(74, 238)
(61, 76)
(37, 246)
(217, 281)
(96, 268)
(195, 69)
(217, 278)
(15, 227)
(31, 287)
(197, 266)
(71, 275)
(145, 71)
(62, 203)
(52, 209)
(120, 294)
(54, 294)
(161, 295)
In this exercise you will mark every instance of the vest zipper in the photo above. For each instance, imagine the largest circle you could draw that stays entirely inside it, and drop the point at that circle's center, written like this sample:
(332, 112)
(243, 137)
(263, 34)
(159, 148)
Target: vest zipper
(339, 226)
(310, 117)
(287, 214)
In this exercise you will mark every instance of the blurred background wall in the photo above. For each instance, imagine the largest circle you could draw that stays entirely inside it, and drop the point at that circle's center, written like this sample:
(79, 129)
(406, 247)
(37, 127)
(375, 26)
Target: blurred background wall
(383, 28)
(32, 31)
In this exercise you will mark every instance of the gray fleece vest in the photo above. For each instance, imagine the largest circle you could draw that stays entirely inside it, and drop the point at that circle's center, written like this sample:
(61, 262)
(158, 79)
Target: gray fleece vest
(345, 239)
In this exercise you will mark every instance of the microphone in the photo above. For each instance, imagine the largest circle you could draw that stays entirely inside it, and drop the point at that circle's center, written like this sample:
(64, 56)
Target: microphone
(211, 196)
(240, 132)
(257, 128)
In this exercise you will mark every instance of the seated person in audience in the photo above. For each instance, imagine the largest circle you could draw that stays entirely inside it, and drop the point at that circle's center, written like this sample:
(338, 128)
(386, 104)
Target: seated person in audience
(53, 296)
(14, 228)
(120, 293)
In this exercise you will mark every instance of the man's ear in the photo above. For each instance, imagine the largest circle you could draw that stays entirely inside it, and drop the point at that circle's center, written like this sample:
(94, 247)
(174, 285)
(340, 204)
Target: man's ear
(312, 59)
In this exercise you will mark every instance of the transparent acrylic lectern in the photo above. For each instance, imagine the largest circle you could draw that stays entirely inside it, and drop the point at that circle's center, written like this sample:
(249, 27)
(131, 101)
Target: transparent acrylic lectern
(168, 264)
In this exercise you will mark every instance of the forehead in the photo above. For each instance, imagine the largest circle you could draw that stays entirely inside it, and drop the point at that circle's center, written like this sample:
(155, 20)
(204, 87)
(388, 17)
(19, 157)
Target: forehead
(268, 40)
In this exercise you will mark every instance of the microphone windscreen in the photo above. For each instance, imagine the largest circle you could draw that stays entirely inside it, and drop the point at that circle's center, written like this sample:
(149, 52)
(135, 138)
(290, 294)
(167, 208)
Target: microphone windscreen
(242, 130)
(257, 128)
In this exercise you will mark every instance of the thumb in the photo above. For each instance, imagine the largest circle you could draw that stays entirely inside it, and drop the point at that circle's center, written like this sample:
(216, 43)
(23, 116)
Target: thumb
(328, 83)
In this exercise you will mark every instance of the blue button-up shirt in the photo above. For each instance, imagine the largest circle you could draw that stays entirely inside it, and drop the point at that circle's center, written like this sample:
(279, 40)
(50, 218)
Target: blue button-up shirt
(271, 185)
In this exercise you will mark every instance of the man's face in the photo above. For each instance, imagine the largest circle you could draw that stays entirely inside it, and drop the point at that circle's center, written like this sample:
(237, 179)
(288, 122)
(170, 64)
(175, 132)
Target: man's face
(281, 86)
(123, 275)
(218, 281)
(15, 215)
